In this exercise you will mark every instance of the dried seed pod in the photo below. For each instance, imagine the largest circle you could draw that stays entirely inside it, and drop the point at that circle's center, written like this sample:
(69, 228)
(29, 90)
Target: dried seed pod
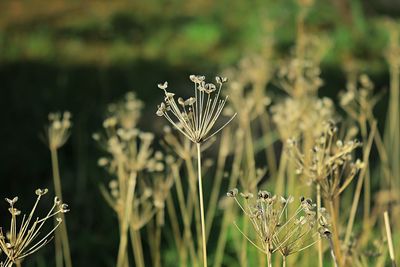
(232, 193)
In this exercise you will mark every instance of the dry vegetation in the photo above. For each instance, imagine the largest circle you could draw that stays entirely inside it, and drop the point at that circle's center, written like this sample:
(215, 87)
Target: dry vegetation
(290, 174)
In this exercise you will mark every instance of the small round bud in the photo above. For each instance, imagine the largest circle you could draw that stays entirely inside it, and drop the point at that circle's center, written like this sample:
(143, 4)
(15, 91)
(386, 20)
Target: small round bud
(41, 192)
(232, 193)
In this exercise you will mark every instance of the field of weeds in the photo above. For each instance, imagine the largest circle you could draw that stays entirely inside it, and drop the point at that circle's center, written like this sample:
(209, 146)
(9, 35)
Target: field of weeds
(200, 133)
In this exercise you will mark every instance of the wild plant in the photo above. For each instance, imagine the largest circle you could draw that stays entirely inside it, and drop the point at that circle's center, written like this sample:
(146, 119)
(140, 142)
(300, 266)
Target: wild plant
(359, 101)
(28, 236)
(278, 228)
(138, 188)
(188, 202)
(392, 127)
(195, 118)
(248, 96)
(57, 134)
(331, 170)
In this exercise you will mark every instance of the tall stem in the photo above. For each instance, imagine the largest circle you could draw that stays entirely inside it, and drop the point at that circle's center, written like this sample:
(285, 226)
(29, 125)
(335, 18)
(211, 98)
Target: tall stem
(126, 217)
(269, 258)
(389, 238)
(58, 247)
(335, 231)
(229, 212)
(284, 261)
(320, 255)
(137, 246)
(203, 228)
(62, 233)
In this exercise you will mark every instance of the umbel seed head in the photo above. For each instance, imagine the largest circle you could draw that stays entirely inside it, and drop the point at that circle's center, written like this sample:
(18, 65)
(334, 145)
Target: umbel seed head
(196, 116)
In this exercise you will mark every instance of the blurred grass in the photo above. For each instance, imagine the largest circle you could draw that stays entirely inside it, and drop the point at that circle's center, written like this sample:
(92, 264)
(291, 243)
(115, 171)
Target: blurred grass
(178, 32)
(82, 55)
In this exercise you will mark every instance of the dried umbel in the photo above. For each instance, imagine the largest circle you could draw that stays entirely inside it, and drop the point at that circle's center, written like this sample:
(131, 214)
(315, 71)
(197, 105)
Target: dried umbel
(139, 185)
(359, 99)
(300, 77)
(247, 91)
(58, 130)
(129, 155)
(128, 111)
(132, 160)
(129, 149)
(278, 227)
(332, 165)
(299, 117)
(27, 237)
(195, 117)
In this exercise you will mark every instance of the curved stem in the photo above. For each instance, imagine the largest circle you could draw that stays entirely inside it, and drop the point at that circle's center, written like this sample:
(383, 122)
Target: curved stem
(203, 231)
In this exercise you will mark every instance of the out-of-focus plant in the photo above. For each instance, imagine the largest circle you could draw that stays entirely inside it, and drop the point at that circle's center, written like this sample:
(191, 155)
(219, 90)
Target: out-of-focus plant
(138, 188)
(57, 134)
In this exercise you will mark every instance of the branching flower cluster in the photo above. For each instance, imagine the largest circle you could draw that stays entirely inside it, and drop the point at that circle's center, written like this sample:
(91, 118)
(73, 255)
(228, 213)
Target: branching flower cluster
(25, 238)
(294, 117)
(359, 100)
(130, 155)
(195, 117)
(278, 228)
(127, 111)
(59, 129)
(332, 165)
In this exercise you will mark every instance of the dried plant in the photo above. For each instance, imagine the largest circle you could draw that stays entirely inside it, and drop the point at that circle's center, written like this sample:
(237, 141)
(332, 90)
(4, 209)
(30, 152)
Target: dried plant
(195, 118)
(131, 161)
(277, 227)
(297, 117)
(58, 129)
(26, 238)
(332, 166)
(57, 133)
(331, 169)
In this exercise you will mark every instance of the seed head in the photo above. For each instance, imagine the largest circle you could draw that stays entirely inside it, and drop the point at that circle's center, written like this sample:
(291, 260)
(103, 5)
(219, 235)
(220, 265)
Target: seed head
(232, 193)
(196, 116)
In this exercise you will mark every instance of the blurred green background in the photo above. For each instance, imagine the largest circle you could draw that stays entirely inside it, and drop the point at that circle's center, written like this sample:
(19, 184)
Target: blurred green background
(82, 55)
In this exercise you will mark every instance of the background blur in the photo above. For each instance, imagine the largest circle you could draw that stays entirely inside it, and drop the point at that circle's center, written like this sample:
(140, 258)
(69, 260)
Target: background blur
(81, 55)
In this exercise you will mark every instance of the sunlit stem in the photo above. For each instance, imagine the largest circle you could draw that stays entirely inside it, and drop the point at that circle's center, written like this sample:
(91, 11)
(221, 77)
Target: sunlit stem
(389, 238)
(203, 232)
